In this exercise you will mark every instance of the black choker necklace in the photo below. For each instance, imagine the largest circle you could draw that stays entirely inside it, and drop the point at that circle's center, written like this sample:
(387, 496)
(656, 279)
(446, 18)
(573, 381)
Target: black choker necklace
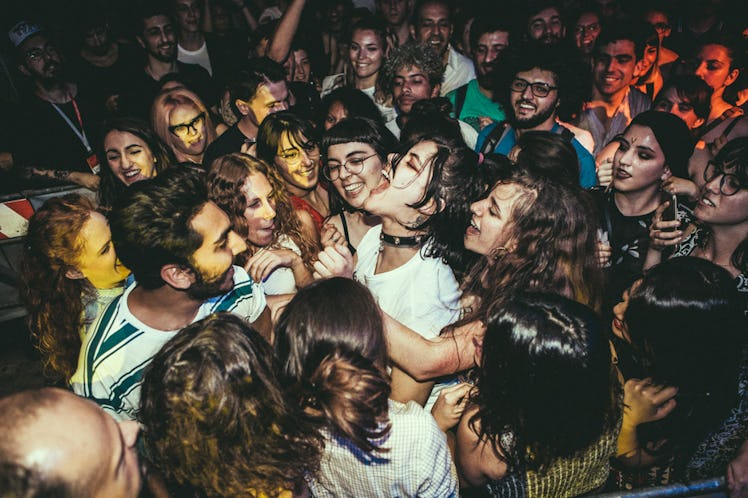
(394, 240)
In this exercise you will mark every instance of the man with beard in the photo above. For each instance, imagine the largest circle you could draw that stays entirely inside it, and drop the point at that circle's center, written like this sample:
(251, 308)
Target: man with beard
(473, 103)
(541, 79)
(180, 248)
(614, 102)
(545, 24)
(56, 128)
(396, 14)
(155, 34)
(433, 28)
(55, 443)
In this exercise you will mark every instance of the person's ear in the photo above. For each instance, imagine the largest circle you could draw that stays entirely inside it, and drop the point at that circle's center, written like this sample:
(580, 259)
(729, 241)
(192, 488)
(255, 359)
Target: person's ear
(242, 106)
(177, 276)
(73, 273)
(435, 91)
(732, 77)
(698, 122)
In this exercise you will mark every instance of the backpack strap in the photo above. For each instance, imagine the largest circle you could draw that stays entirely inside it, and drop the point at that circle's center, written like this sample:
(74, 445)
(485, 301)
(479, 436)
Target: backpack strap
(493, 138)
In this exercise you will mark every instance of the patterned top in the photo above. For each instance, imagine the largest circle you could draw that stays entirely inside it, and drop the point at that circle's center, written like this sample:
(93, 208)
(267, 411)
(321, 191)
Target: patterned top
(418, 462)
(118, 346)
(574, 476)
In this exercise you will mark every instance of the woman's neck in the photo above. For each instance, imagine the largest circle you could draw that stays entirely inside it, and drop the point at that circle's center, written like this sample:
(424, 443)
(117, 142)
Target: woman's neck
(723, 241)
(365, 83)
(392, 256)
(638, 203)
(719, 105)
(314, 197)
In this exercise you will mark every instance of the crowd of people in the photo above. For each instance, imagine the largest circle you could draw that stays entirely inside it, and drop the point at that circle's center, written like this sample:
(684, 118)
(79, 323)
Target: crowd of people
(380, 247)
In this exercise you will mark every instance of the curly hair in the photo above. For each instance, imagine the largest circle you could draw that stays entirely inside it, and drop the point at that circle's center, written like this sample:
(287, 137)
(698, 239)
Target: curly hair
(54, 302)
(226, 179)
(553, 246)
(215, 418)
(546, 378)
(332, 337)
(410, 55)
(110, 186)
(165, 103)
(151, 223)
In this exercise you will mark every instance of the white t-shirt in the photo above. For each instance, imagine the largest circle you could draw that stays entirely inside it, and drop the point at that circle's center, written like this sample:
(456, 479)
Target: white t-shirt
(282, 281)
(119, 346)
(199, 56)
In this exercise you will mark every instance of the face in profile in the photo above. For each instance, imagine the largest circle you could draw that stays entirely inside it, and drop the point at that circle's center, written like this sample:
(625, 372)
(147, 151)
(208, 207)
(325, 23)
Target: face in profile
(639, 163)
(187, 125)
(260, 211)
(129, 157)
(97, 261)
(406, 186)
(355, 169)
(713, 66)
(298, 162)
(491, 218)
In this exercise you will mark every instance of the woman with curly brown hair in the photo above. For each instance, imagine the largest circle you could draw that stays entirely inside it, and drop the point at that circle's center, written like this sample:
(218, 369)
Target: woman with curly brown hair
(280, 240)
(69, 273)
(331, 336)
(215, 420)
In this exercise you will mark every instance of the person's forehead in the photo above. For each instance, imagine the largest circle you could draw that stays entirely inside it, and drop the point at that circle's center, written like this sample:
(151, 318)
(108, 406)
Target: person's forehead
(38, 40)
(434, 11)
(713, 51)
(546, 13)
(537, 75)
(210, 222)
(157, 21)
(655, 16)
(409, 72)
(494, 38)
(271, 91)
(619, 47)
(587, 18)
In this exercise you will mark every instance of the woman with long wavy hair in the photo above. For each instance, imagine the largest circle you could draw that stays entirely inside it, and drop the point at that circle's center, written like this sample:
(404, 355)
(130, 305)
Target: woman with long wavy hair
(280, 240)
(331, 337)
(69, 273)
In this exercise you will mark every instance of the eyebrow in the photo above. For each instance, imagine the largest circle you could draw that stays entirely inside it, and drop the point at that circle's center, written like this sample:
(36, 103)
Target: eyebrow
(644, 147)
(224, 235)
(104, 245)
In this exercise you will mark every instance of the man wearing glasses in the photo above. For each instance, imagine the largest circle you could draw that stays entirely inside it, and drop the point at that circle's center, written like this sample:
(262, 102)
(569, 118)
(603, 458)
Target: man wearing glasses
(534, 96)
(56, 132)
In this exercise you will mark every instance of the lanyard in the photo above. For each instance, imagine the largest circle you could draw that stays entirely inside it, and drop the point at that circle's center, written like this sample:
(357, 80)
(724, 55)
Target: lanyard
(81, 134)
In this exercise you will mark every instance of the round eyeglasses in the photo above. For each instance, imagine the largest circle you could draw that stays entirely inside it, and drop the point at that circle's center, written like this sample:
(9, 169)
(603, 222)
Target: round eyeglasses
(538, 89)
(729, 184)
(353, 166)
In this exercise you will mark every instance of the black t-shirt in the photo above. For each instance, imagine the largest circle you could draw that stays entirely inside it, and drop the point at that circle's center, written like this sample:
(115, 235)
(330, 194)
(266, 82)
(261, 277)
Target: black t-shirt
(231, 141)
(103, 82)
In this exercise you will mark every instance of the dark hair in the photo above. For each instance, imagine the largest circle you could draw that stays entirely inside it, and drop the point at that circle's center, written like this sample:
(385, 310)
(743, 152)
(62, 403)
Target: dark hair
(673, 137)
(146, 9)
(18, 479)
(488, 24)
(356, 103)
(546, 379)
(670, 320)
(332, 337)
(620, 32)
(54, 302)
(275, 125)
(370, 23)
(554, 246)
(151, 223)
(692, 89)
(226, 180)
(410, 54)
(110, 186)
(245, 81)
(731, 44)
(550, 155)
(215, 384)
(419, 4)
(356, 129)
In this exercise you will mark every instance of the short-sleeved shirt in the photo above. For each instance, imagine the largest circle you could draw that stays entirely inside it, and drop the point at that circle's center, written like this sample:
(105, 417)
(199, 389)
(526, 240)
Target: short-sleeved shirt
(477, 105)
(118, 346)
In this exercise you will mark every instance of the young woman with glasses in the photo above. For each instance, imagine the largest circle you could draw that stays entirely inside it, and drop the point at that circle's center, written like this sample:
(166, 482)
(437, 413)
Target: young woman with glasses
(720, 233)
(183, 122)
(291, 144)
(355, 152)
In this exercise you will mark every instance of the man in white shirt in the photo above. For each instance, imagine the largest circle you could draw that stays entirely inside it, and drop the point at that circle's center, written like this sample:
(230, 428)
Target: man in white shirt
(433, 27)
(180, 248)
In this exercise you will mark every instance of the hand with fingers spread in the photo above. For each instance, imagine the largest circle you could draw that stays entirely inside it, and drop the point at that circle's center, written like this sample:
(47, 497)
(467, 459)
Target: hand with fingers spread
(330, 235)
(646, 402)
(450, 405)
(265, 261)
(662, 233)
(334, 261)
(682, 187)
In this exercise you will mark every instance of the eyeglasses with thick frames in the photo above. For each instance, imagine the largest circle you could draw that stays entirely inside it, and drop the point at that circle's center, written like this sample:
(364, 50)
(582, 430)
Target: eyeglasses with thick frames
(538, 89)
(353, 166)
(729, 184)
(183, 129)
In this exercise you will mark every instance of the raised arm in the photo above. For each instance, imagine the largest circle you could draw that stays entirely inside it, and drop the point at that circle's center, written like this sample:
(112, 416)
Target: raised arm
(280, 43)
